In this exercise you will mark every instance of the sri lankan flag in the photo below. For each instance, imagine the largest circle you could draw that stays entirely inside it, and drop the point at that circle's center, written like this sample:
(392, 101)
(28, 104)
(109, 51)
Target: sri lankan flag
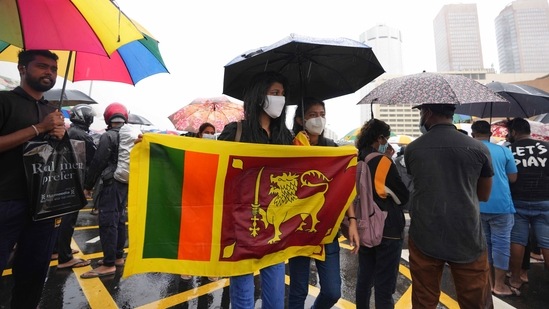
(217, 208)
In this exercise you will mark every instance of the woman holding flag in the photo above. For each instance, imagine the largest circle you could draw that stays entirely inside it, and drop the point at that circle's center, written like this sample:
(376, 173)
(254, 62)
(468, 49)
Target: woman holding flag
(264, 123)
(309, 123)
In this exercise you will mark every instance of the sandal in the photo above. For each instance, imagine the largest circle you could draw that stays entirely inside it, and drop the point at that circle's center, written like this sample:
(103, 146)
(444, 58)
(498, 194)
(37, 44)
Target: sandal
(75, 264)
(94, 274)
(514, 290)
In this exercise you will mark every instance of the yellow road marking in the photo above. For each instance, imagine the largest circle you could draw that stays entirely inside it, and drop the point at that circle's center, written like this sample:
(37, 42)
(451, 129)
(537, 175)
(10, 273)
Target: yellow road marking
(95, 291)
(180, 298)
(405, 301)
(99, 297)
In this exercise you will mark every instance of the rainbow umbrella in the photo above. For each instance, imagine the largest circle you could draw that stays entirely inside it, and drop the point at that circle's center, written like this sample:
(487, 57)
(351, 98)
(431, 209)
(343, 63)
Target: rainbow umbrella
(96, 27)
(129, 64)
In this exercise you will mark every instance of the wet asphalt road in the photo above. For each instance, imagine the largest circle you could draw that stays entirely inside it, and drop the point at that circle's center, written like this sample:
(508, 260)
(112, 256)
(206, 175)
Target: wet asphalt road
(65, 289)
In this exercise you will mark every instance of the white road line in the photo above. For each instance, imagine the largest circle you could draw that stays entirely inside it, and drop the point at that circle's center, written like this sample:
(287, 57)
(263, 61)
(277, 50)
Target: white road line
(93, 240)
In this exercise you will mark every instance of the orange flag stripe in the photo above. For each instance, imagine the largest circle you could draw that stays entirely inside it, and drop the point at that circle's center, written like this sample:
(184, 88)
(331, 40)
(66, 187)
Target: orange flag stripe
(195, 237)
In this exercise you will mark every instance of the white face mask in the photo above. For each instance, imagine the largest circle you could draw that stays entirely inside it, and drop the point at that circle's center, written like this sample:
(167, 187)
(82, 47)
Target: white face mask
(274, 105)
(315, 125)
(208, 136)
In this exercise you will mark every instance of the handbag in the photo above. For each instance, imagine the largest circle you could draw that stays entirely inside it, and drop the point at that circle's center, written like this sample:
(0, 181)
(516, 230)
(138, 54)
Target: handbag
(55, 172)
(370, 218)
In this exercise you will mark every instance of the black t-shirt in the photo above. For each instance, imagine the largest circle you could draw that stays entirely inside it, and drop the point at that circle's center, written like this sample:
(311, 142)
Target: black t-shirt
(531, 158)
(18, 110)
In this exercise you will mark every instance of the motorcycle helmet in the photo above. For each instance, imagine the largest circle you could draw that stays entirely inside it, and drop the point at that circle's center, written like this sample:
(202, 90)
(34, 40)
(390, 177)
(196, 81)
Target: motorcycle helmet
(115, 112)
(82, 114)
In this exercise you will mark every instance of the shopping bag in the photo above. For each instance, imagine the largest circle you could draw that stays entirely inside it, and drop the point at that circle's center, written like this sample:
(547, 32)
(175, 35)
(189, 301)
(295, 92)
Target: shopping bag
(55, 172)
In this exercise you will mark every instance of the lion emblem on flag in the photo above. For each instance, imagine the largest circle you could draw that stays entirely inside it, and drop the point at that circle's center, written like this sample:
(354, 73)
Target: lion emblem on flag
(286, 204)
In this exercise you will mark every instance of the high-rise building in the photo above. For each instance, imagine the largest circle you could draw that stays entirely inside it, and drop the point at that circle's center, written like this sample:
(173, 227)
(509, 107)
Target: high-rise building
(457, 38)
(386, 42)
(522, 35)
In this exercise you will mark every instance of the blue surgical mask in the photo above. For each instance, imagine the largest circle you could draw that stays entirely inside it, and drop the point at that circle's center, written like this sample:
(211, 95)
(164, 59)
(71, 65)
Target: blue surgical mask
(382, 147)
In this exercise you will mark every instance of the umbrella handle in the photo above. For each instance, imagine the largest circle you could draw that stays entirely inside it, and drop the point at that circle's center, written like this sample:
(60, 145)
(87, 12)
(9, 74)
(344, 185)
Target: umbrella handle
(65, 80)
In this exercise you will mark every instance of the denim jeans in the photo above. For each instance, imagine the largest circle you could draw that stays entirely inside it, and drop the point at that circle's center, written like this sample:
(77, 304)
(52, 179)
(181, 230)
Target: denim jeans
(534, 214)
(35, 241)
(112, 221)
(242, 289)
(497, 230)
(378, 268)
(328, 273)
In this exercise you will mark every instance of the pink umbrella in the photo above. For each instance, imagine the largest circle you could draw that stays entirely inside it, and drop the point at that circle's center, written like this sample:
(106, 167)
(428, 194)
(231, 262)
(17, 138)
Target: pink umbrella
(538, 130)
(218, 111)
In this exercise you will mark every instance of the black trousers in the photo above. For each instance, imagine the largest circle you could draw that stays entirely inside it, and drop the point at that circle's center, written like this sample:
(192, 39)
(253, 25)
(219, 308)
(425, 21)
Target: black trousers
(35, 241)
(66, 230)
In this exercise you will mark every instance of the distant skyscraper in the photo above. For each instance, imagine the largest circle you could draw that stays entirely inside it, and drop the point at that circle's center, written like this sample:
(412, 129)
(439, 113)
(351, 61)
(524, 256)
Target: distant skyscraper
(386, 42)
(522, 34)
(457, 38)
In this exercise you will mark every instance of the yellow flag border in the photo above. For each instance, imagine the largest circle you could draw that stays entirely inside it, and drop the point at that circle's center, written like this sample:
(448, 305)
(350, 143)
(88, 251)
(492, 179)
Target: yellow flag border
(136, 215)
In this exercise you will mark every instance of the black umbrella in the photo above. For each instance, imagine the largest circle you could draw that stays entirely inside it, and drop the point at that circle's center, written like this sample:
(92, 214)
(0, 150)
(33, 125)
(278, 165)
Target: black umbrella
(70, 97)
(321, 68)
(525, 101)
(138, 119)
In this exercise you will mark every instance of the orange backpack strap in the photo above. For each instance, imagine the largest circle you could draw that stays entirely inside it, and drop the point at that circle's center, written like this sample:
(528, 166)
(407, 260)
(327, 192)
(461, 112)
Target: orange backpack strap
(380, 176)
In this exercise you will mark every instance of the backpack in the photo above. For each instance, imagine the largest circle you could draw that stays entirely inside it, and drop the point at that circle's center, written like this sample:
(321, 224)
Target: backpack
(126, 137)
(370, 218)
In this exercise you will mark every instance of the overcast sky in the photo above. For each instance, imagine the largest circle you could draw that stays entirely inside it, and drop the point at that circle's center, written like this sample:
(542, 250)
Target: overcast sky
(197, 38)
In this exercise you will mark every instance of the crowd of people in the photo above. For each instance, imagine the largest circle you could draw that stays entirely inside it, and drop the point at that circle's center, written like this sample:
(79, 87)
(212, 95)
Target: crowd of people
(474, 205)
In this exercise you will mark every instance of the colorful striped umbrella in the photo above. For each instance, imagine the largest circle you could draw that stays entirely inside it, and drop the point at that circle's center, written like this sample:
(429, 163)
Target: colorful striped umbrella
(129, 64)
(96, 27)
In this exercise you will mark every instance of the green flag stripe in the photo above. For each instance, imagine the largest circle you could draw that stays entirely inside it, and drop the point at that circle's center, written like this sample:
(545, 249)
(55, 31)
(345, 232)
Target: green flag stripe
(162, 227)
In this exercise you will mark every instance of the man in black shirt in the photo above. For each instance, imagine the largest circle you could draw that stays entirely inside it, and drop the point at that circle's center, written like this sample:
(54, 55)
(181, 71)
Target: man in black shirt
(25, 116)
